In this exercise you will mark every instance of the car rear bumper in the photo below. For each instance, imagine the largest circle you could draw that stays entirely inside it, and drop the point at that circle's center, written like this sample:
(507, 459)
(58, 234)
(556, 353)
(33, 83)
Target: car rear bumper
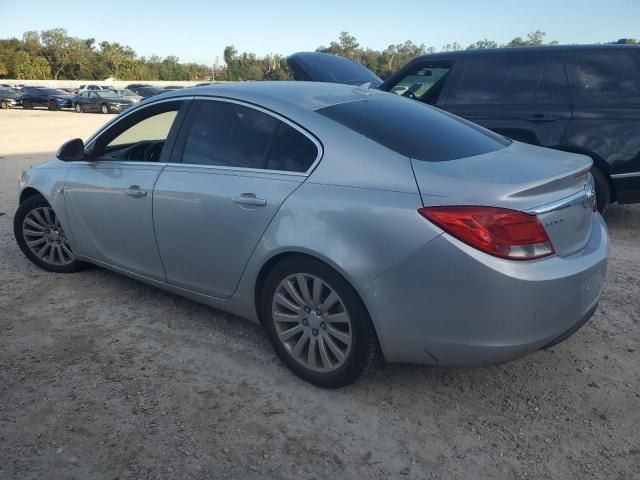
(450, 304)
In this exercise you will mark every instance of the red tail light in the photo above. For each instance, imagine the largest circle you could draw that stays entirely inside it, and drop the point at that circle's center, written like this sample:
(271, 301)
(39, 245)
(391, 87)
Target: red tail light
(497, 231)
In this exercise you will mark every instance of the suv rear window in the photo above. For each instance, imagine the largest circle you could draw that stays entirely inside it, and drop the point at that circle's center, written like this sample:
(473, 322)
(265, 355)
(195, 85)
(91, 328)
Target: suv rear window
(605, 77)
(415, 130)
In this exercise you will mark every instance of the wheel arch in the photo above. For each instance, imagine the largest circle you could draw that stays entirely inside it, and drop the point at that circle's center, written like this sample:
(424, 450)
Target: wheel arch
(29, 192)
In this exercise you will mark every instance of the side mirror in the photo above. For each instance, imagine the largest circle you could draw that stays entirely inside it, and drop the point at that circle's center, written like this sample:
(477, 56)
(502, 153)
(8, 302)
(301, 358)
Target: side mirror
(71, 151)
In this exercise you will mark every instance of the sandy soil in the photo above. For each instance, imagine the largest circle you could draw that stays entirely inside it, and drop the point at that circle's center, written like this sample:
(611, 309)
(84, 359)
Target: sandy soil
(103, 377)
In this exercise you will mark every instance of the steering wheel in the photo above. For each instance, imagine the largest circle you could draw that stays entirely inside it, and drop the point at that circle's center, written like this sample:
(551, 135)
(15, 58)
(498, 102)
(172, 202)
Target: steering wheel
(145, 151)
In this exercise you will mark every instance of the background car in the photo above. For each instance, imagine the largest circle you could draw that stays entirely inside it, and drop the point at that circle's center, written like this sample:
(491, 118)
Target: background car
(349, 222)
(92, 87)
(583, 99)
(147, 91)
(9, 98)
(52, 98)
(128, 94)
(103, 101)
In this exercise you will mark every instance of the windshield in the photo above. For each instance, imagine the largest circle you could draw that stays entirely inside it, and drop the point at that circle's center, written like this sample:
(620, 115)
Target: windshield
(324, 67)
(415, 130)
(107, 94)
(5, 92)
(127, 93)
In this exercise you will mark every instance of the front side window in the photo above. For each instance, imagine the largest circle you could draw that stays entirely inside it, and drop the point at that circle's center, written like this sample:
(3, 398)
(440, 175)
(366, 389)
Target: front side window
(512, 80)
(140, 137)
(230, 135)
(605, 77)
(424, 82)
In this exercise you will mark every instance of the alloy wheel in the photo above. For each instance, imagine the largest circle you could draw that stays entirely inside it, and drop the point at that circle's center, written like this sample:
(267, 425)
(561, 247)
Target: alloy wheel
(312, 323)
(45, 237)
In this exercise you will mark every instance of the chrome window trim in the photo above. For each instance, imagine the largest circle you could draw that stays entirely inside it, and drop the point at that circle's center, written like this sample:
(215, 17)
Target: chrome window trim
(626, 175)
(314, 140)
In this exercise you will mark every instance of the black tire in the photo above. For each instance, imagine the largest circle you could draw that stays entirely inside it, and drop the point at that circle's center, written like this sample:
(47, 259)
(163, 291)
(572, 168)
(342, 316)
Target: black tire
(24, 209)
(603, 189)
(27, 105)
(52, 105)
(78, 108)
(104, 108)
(4, 105)
(365, 350)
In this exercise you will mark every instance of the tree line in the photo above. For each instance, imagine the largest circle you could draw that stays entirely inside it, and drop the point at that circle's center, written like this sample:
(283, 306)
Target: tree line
(54, 54)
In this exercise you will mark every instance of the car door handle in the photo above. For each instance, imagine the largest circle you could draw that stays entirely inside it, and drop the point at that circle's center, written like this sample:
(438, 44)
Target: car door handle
(540, 117)
(249, 199)
(135, 191)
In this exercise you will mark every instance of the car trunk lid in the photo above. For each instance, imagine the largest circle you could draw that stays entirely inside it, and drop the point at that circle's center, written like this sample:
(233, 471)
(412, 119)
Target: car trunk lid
(555, 186)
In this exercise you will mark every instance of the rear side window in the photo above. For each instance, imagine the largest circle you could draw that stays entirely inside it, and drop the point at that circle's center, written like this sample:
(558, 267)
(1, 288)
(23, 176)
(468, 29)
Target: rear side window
(512, 80)
(414, 129)
(231, 135)
(605, 77)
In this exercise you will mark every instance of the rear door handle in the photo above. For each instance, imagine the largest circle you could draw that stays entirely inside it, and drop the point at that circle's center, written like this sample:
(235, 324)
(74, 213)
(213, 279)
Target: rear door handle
(540, 117)
(249, 199)
(135, 191)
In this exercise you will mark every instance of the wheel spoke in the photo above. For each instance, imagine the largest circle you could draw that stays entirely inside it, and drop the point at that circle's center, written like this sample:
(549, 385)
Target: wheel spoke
(52, 253)
(302, 341)
(342, 336)
(285, 302)
(334, 348)
(35, 243)
(47, 215)
(41, 253)
(311, 354)
(341, 317)
(66, 250)
(329, 302)
(39, 218)
(284, 317)
(292, 332)
(33, 233)
(304, 289)
(324, 356)
(33, 224)
(317, 291)
(293, 293)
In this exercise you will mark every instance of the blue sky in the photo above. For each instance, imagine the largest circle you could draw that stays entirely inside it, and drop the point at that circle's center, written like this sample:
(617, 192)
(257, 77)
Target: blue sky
(199, 30)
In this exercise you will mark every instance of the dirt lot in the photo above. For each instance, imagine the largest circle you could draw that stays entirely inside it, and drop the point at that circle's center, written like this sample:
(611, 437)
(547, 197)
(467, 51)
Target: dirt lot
(103, 377)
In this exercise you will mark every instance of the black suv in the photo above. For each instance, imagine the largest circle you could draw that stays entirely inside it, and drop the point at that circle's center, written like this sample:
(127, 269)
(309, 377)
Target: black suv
(583, 99)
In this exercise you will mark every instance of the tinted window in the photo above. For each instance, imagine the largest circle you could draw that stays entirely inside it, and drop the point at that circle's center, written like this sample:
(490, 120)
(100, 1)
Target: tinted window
(605, 77)
(423, 82)
(512, 79)
(230, 135)
(414, 129)
(324, 67)
(291, 150)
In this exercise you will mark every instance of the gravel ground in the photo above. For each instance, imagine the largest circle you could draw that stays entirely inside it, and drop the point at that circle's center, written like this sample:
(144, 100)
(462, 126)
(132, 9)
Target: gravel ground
(103, 377)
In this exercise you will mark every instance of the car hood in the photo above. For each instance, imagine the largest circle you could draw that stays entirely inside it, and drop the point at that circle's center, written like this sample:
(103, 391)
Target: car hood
(325, 67)
(62, 97)
(119, 100)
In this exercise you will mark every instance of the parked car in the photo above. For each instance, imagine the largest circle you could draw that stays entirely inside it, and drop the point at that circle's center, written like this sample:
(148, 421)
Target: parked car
(173, 87)
(52, 98)
(103, 101)
(92, 87)
(349, 222)
(9, 98)
(146, 92)
(583, 99)
(128, 94)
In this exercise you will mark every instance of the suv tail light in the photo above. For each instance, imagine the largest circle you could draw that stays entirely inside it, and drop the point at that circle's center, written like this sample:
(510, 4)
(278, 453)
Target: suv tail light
(497, 231)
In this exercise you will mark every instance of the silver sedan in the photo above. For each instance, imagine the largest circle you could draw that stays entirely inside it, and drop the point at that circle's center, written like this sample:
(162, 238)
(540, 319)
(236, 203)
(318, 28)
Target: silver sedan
(353, 224)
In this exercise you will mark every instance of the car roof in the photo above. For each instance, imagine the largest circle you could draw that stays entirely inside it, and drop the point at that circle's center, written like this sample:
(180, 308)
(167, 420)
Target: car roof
(531, 50)
(282, 95)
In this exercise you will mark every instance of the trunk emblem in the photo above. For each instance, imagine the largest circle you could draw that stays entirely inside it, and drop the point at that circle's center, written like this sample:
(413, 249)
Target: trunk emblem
(589, 195)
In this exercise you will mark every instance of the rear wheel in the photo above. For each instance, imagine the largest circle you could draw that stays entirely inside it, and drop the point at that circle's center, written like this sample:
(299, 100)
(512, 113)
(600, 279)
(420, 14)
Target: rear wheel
(317, 323)
(41, 237)
(4, 105)
(603, 189)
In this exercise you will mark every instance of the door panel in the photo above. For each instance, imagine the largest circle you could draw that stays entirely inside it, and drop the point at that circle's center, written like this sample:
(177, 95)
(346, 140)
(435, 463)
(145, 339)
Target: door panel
(524, 97)
(111, 220)
(208, 220)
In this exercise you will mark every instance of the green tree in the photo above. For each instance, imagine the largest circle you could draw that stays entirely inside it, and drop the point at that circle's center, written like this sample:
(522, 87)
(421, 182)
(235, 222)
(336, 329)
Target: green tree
(480, 44)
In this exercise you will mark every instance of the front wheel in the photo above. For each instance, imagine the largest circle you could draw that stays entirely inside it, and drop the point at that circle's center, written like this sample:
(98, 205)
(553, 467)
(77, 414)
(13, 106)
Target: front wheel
(4, 105)
(317, 323)
(104, 108)
(27, 105)
(41, 237)
(53, 105)
(78, 108)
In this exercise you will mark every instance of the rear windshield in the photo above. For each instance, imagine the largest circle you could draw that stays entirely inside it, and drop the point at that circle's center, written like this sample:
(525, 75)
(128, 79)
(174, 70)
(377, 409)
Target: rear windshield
(414, 129)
